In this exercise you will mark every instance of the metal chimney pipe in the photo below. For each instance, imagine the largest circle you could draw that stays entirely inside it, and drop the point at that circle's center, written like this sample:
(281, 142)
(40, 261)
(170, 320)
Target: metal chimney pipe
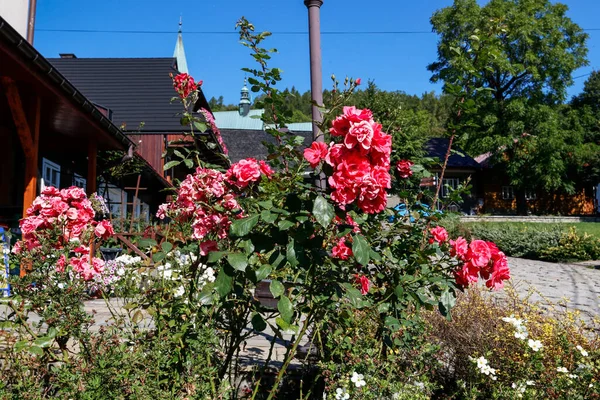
(316, 74)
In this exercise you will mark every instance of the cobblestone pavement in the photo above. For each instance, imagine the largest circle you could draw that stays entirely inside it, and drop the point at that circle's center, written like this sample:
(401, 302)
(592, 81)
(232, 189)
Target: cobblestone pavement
(578, 283)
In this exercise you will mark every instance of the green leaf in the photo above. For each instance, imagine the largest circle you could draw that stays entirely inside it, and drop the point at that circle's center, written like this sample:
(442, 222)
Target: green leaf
(392, 323)
(188, 163)
(166, 247)
(361, 249)
(447, 301)
(323, 211)
(291, 253)
(258, 323)
(223, 283)
(21, 344)
(146, 242)
(286, 309)
(242, 227)
(267, 204)
(215, 256)
(43, 341)
(284, 225)
(158, 256)
(284, 326)
(171, 164)
(277, 288)
(263, 272)
(201, 126)
(354, 295)
(38, 351)
(268, 216)
(237, 261)
(247, 245)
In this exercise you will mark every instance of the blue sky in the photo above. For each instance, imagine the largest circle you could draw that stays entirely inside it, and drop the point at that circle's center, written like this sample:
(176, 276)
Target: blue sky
(395, 62)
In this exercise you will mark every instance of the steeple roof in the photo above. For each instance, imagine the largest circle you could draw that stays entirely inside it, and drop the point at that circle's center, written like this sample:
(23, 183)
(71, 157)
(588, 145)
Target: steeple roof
(179, 52)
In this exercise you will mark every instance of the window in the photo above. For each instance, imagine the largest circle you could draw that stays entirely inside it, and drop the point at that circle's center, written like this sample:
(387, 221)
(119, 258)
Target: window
(508, 193)
(50, 174)
(530, 195)
(79, 181)
(449, 185)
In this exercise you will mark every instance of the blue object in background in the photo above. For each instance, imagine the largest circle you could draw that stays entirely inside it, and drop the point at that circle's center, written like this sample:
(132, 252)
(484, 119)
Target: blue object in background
(402, 211)
(5, 268)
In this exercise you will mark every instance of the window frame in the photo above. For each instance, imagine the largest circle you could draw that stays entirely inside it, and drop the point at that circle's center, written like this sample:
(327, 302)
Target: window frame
(54, 167)
(508, 192)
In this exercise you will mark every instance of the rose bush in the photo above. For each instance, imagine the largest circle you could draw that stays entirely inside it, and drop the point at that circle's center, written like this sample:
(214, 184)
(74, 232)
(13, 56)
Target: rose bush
(328, 253)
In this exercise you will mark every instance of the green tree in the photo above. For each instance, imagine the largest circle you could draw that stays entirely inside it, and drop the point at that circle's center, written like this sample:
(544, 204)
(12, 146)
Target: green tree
(511, 58)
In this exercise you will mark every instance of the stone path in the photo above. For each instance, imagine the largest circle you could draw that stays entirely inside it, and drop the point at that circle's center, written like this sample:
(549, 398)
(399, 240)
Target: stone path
(579, 283)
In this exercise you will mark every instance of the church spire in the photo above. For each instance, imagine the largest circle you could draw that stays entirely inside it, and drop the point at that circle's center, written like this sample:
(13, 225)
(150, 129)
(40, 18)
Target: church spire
(179, 52)
(245, 100)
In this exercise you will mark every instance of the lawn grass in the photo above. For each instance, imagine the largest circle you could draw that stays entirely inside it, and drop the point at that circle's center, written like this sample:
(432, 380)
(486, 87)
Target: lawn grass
(592, 228)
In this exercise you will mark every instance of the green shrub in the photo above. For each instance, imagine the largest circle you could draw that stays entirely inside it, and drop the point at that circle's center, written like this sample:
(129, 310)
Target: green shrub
(518, 241)
(573, 246)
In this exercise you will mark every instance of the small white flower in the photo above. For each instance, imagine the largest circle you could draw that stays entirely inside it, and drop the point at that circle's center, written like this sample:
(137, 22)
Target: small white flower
(572, 376)
(562, 369)
(530, 383)
(341, 394)
(535, 345)
(61, 285)
(179, 292)
(481, 362)
(521, 335)
(582, 351)
(420, 385)
(591, 385)
(358, 380)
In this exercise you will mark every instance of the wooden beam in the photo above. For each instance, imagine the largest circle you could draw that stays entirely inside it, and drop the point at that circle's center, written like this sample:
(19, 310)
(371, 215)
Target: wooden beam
(19, 118)
(31, 161)
(92, 165)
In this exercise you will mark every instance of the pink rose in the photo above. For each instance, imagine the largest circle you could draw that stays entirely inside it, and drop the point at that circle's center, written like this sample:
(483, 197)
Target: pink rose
(439, 234)
(341, 251)
(357, 81)
(242, 173)
(466, 275)
(208, 246)
(315, 153)
(500, 272)
(360, 134)
(365, 284)
(265, 169)
(404, 168)
(479, 253)
(459, 247)
(104, 229)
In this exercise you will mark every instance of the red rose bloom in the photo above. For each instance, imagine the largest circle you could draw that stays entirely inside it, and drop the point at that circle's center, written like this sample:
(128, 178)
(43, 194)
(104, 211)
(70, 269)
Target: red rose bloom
(404, 168)
(315, 153)
(341, 251)
(439, 234)
(365, 284)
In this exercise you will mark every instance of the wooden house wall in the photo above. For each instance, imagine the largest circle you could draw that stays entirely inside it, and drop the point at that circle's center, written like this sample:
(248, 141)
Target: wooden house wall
(151, 148)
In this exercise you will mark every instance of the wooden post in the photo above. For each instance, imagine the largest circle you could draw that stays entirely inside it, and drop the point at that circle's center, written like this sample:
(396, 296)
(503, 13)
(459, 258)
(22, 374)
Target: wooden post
(29, 133)
(92, 163)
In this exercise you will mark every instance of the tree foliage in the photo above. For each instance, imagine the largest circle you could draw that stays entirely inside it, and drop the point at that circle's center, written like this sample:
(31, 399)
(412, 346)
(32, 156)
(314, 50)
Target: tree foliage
(513, 59)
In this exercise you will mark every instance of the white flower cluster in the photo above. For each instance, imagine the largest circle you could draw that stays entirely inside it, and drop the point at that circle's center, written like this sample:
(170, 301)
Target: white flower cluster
(521, 388)
(520, 328)
(484, 367)
(126, 260)
(522, 333)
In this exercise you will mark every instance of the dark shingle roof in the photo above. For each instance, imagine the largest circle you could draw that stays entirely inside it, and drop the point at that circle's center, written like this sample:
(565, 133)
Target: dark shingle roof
(136, 90)
(437, 148)
(246, 143)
